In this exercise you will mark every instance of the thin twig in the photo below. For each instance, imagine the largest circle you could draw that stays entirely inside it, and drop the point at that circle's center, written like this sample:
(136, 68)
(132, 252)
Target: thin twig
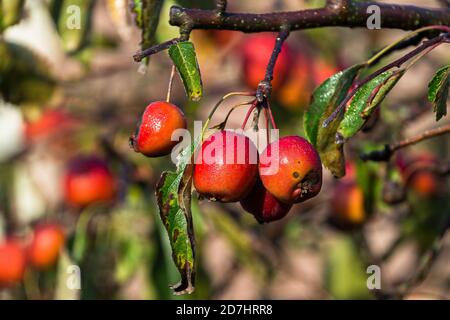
(423, 136)
(138, 56)
(249, 112)
(265, 86)
(386, 153)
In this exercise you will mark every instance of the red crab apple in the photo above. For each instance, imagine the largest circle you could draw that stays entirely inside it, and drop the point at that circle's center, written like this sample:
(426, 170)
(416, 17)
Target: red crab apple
(418, 175)
(256, 51)
(44, 249)
(153, 136)
(226, 167)
(291, 170)
(347, 204)
(87, 181)
(425, 183)
(264, 206)
(12, 262)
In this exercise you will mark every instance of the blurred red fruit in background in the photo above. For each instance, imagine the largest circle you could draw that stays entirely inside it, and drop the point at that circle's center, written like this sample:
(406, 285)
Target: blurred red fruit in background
(12, 262)
(417, 173)
(347, 204)
(256, 51)
(296, 91)
(322, 70)
(88, 180)
(425, 183)
(48, 239)
(50, 123)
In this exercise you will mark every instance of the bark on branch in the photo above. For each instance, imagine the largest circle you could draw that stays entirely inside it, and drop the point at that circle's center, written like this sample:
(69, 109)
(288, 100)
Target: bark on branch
(335, 14)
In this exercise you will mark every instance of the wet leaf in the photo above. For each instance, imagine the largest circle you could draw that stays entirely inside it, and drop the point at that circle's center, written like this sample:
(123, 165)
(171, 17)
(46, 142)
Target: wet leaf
(438, 91)
(365, 102)
(345, 277)
(325, 100)
(184, 57)
(173, 194)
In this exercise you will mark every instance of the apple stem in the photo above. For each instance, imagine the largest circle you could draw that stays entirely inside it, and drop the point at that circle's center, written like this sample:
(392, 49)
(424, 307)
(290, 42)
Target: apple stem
(169, 88)
(266, 115)
(249, 112)
(272, 120)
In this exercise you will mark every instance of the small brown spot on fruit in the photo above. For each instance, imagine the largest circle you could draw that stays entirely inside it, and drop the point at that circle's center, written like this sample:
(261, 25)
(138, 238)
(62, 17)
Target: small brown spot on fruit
(296, 175)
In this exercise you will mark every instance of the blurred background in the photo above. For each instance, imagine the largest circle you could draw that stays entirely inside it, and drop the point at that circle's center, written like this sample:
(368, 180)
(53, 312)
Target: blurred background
(73, 193)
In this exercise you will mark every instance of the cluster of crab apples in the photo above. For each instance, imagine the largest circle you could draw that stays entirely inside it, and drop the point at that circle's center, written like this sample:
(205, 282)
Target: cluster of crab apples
(229, 168)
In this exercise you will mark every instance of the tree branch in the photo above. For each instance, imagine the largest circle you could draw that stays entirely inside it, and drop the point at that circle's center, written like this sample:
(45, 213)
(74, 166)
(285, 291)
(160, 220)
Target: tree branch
(337, 13)
(386, 153)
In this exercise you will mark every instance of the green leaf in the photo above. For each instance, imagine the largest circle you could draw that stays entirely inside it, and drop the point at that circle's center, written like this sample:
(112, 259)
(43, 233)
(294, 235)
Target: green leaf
(146, 16)
(11, 12)
(73, 20)
(325, 100)
(365, 101)
(173, 194)
(438, 91)
(344, 270)
(24, 76)
(184, 58)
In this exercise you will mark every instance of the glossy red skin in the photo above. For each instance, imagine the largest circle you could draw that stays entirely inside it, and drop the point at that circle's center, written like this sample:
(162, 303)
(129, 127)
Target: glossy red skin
(256, 52)
(264, 206)
(88, 181)
(153, 135)
(44, 249)
(12, 263)
(299, 174)
(224, 179)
